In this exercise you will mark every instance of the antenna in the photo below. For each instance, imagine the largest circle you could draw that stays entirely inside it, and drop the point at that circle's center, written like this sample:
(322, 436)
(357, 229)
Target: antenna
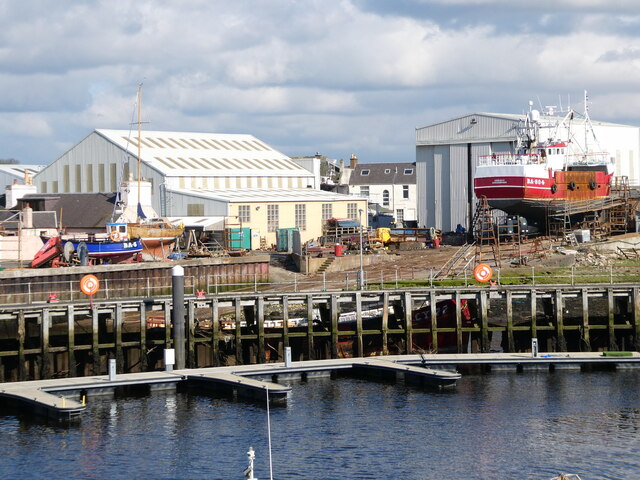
(269, 434)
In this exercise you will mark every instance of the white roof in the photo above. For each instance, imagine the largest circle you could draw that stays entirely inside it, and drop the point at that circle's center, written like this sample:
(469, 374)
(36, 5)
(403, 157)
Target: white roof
(259, 195)
(207, 223)
(17, 170)
(206, 154)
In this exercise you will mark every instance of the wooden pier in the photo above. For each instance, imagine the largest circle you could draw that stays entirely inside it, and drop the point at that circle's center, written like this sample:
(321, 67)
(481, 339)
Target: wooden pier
(65, 399)
(76, 339)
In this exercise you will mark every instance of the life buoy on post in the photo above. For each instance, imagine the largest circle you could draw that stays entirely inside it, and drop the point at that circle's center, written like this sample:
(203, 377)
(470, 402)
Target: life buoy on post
(114, 236)
(572, 185)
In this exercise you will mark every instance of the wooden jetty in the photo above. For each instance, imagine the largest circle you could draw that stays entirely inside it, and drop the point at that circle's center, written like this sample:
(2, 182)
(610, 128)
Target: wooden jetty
(71, 339)
(64, 399)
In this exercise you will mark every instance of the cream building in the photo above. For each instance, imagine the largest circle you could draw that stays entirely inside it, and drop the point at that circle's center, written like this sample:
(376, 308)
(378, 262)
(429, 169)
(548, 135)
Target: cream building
(265, 211)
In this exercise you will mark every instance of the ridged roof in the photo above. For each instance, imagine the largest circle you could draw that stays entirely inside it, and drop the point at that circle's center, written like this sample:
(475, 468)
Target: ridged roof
(206, 154)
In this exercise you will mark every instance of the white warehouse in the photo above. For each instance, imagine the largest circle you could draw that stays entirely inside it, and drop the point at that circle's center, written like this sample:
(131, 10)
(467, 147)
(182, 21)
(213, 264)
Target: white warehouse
(447, 154)
(172, 161)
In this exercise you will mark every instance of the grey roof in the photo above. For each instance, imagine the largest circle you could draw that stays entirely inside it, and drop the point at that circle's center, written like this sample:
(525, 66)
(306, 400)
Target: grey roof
(74, 210)
(384, 174)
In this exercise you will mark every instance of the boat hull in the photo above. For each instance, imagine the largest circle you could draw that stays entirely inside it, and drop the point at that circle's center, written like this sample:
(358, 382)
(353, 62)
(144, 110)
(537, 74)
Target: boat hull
(534, 194)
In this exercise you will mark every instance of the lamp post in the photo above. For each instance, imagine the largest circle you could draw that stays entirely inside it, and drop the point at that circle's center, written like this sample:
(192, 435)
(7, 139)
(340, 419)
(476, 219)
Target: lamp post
(361, 264)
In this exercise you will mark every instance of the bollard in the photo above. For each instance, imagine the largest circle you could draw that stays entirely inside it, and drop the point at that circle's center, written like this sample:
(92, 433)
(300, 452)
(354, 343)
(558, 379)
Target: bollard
(169, 359)
(534, 347)
(177, 315)
(287, 357)
(112, 369)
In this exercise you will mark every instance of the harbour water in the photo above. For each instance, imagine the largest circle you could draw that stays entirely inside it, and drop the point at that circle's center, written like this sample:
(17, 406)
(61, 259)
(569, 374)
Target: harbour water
(500, 425)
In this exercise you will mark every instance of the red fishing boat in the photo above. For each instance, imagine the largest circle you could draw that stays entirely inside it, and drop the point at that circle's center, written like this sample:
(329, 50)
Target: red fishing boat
(549, 169)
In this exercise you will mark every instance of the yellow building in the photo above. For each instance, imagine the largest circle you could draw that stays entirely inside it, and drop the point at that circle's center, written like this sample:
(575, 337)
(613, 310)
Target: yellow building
(266, 211)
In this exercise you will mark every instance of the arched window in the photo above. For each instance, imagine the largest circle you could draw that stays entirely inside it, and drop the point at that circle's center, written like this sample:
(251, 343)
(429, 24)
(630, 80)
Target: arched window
(385, 198)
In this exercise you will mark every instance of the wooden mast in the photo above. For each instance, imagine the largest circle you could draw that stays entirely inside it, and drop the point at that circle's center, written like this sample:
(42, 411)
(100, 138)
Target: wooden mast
(139, 144)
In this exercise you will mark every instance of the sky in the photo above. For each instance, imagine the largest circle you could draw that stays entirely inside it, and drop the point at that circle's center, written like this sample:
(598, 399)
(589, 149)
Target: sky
(338, 77)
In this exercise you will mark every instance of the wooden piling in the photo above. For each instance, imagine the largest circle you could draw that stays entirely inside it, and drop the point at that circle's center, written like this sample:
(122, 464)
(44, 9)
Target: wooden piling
(335, 336)
(71, 340)
(215, 333)
(408, 327)
(95, 342)
(585, 319)
(359, 345)
(484, 321)
(510, 342)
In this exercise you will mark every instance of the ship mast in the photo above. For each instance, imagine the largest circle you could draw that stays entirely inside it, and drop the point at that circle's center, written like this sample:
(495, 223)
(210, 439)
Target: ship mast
(139, 143)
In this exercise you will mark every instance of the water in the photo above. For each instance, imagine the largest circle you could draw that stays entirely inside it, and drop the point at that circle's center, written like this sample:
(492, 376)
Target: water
(497, 426)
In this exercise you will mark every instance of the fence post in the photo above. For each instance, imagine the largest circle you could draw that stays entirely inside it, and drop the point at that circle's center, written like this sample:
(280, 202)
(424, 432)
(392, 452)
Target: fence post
(216, 283)
(381, 280)
(71, 290)
(324, 284)
(465, 277)
(396, 278)
(295, 282)
(573, 280)
(431, 277)
(611, 274)
(106, 288)
(533, 275)
(148, 288)
(255, 283)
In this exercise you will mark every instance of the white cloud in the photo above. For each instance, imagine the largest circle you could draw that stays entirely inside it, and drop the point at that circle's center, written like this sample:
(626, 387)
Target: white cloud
(337, 76)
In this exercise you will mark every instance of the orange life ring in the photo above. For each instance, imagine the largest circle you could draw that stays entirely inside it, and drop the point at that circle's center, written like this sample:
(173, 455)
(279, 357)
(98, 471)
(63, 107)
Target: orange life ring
(114, 236)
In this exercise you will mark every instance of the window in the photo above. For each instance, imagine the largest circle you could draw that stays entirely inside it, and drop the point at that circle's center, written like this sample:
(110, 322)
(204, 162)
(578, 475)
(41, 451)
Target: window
(195, 209)
(65, 178)
(364, 191)
(405, 191)
(244, 213)
(400, 215)
(301, 216)
(273, 217)
(89, 169)
(352, 211)
(101, 177)
(385, 198)
(408, 171)
(78, 178)
(327, 211)
(364, 172)
(43, 187)
(387, 171)
(113, 177)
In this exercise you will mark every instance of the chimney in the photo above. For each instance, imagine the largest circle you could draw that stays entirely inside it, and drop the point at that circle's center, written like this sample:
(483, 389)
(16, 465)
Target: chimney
(353, 161)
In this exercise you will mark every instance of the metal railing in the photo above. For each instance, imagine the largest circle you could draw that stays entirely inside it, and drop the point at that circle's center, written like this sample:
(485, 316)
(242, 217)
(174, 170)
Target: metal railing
(388, 279)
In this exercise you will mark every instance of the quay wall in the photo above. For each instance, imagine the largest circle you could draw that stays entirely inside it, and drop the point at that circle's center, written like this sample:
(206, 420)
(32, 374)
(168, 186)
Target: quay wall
(150, 279)
(41, 341)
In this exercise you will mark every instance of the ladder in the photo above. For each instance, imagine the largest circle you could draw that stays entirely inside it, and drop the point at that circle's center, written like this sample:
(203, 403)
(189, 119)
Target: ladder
(487, 246)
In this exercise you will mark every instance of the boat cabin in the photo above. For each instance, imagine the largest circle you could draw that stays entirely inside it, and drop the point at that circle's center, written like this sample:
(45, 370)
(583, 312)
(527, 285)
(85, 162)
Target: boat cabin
(117, 232)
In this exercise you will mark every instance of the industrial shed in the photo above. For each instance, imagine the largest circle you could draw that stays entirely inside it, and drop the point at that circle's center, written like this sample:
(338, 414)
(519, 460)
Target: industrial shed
(447, 154)
(172, 160)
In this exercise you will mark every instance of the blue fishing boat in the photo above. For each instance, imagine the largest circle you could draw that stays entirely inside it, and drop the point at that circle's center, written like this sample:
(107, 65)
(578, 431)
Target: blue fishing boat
(114, 246)
(117, 247)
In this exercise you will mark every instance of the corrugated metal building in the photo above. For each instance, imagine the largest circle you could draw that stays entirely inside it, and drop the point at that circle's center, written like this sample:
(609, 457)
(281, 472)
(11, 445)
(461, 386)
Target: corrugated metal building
(447, 154)
(171, 160)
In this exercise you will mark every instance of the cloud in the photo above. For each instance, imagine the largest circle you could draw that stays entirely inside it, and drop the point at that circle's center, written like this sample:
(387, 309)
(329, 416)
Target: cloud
(337, 76)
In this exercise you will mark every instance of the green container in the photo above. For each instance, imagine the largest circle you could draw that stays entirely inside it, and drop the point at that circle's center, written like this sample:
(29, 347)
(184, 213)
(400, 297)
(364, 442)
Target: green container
(239, 239)
(284, 239)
